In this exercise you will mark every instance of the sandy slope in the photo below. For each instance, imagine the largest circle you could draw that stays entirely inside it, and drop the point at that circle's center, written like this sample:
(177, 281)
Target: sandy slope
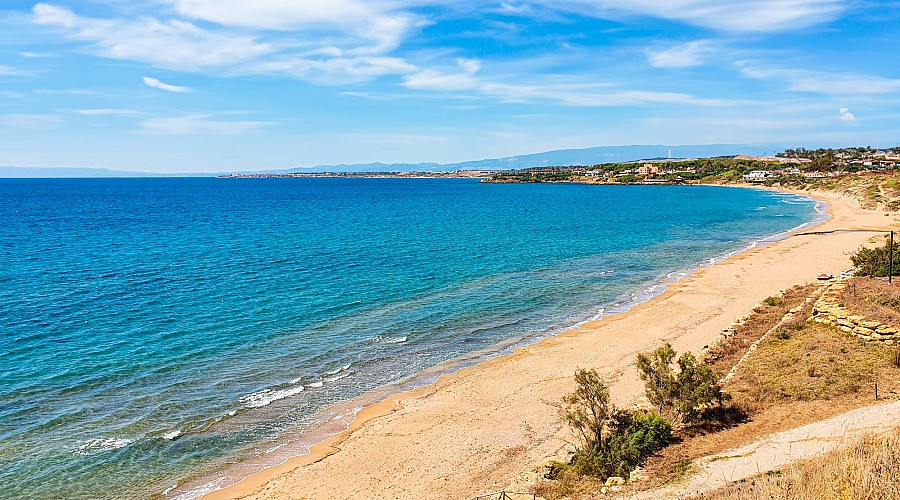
(472, 432)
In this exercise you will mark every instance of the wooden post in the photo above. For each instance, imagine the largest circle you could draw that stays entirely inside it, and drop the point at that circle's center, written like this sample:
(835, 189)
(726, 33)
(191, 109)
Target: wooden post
(876, 390)
(891, 258)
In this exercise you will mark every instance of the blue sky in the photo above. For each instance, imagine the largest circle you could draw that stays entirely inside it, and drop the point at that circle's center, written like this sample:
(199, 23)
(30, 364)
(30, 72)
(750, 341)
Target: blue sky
(218, 85)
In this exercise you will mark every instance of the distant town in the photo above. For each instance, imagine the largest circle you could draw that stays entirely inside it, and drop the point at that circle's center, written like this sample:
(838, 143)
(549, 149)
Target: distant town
(792, 164)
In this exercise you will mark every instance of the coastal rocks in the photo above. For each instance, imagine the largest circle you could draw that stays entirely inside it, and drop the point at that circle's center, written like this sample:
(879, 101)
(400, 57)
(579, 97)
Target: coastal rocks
(828, 310)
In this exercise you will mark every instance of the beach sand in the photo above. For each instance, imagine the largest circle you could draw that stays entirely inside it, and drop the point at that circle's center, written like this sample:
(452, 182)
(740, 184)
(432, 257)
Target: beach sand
(474, 431)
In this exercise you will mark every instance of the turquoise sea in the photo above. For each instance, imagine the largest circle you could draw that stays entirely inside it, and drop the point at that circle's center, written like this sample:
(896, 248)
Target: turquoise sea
(167, 336)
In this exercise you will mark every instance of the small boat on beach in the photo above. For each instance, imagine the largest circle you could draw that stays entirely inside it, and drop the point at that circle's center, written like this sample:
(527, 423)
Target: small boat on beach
(825, 276)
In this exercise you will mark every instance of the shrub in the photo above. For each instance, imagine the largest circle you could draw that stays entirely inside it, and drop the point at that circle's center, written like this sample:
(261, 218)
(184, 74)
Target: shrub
(875, 261)
(630, 438)
(611, 442)
(773, 301)
(679, 397)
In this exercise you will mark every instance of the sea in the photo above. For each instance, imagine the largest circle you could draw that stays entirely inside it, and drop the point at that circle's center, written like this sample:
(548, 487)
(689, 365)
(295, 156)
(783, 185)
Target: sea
(165, 337)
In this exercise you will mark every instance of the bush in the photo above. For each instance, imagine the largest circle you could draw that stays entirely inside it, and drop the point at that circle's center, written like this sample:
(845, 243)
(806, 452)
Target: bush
(631, 437)
(773, 301)
(679, 397)
(875, 261)
(612, 442)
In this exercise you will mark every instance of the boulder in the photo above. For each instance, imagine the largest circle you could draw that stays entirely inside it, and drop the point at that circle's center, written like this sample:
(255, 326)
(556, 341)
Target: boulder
(846, 329)
(615, 481)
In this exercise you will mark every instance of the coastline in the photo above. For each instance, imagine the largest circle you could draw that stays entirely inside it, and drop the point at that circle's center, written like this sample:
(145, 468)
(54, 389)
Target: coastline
(386, 446)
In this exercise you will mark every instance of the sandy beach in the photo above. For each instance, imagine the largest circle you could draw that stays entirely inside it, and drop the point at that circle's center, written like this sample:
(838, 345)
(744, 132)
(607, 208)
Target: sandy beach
(472, 432)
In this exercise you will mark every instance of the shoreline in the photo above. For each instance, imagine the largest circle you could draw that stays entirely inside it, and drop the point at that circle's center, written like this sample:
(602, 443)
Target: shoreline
(262, 483)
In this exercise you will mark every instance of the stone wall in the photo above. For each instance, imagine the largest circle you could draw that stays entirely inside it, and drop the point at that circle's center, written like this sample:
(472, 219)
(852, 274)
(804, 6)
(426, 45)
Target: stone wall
(829, 311)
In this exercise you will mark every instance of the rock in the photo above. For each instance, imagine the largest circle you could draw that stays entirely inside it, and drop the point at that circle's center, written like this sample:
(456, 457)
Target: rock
(863, 331)
(889, 342)
(846, 329)
(637, 475)
(615, 481)
(615, 488)
(855, 318)
(845, 322)
(886, 330)
(604, 490)
(869, 324)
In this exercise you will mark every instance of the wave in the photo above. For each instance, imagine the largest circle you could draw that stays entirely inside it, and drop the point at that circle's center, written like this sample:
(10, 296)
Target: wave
(266, 397)
(172, 435)
(398, 340)
(100, 445)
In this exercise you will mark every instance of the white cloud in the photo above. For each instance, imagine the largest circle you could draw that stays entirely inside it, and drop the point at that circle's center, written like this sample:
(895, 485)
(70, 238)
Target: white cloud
(846, 115)
(31, 121)
(432, 79)
(572, 94)
(822, 82)
(334, 70)
(11, 71)
(678, 56)
(109, 111)
(732, 16)
(155, 83)
(170, 44)
(199, 124)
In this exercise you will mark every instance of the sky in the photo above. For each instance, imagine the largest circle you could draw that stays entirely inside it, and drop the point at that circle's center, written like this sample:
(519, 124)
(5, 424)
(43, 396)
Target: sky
(228, 85)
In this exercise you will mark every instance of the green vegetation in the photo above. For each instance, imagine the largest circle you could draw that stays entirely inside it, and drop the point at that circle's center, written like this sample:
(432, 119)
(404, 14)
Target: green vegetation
(876, 261)
(773, 301)
(612, 442)
(681, 396)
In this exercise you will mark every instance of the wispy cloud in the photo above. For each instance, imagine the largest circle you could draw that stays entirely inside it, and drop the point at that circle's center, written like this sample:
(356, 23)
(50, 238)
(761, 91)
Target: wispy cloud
(109, 111)
(199, 124)
(465, 78)
(65, 91)
(822, 82)
(678, 56)
(31, 121)
(736, 16)
(155, 83)
(11, 71)
(171, 44)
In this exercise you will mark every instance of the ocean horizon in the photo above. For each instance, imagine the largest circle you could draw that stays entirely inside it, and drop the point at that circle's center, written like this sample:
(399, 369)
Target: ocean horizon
(168, 336)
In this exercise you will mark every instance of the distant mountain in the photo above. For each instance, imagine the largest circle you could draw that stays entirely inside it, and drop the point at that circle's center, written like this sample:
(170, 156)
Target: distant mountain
(587, 156)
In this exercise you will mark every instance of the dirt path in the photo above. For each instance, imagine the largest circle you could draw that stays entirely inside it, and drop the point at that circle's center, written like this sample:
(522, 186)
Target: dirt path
(777, 450)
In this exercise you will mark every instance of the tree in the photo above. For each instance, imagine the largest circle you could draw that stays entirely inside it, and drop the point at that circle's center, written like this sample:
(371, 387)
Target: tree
(678, 397)
(698, 386)
(656, 371)
(588, 408)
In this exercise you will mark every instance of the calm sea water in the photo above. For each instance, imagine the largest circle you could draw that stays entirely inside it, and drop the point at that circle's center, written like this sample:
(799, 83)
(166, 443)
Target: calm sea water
(153, 331)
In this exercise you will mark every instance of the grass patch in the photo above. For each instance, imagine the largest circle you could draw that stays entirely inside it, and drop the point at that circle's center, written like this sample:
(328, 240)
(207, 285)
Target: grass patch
(874, 299)
(762, 319)
(813, 363)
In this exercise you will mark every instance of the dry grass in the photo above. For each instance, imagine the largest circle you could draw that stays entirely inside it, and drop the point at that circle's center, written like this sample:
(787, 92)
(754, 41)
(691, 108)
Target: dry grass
(762, 319)
(864, 470)
(814, 363)
(875, 299)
